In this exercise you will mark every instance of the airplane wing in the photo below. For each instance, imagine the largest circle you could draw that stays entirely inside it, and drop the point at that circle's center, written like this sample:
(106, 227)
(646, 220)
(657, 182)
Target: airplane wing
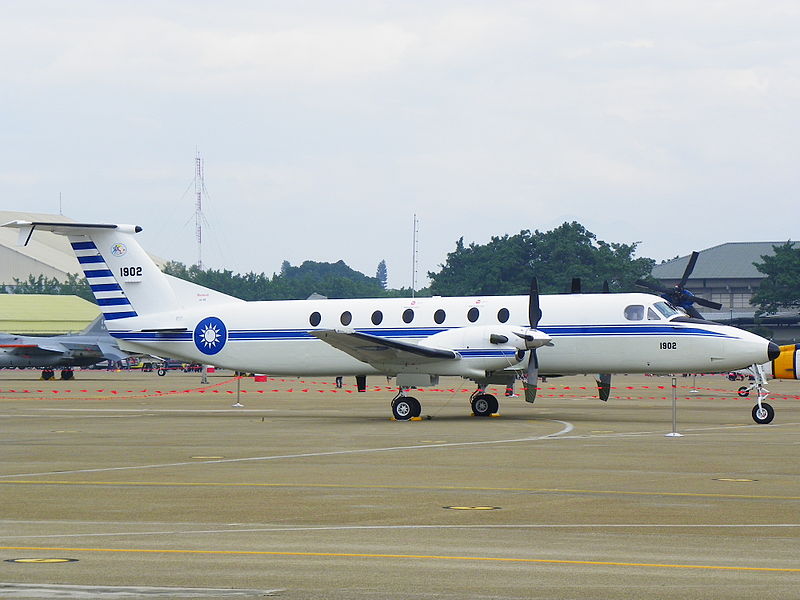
(31, 349)
(378, 351)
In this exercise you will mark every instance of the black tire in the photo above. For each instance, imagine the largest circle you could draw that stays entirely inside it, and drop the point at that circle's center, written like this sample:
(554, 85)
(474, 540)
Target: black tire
(484, 405)
(416, 406)
(162, 372)
(744, 391)
(67, 374)
(47, 374)
(763, 415)
(403, 408)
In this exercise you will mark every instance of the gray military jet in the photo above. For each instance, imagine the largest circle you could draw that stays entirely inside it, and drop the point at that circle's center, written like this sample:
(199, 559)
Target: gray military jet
(91, 346)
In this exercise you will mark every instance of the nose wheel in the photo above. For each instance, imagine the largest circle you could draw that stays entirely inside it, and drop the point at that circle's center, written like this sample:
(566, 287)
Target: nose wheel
(763, 413)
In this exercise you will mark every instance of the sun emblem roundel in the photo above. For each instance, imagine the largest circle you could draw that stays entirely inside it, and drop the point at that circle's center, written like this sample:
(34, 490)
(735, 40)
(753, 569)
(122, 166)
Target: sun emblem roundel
(210, 335)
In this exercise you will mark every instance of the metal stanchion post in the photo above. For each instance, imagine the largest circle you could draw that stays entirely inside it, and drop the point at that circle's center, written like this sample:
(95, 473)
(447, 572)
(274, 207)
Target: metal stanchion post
(238, 389)
(674, 410)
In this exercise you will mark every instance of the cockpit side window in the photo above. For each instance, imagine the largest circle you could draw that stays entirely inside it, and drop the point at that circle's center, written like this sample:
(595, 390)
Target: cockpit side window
(634, 312)
(652, 315)
(666, 309)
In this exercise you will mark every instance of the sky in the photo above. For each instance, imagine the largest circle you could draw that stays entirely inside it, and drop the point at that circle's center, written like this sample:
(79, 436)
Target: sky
(324, 127)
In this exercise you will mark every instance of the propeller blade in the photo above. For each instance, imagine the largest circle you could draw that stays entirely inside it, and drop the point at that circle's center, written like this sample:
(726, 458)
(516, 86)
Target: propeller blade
(688, 270)
(534, 312)
(707, 303)
(576, 285)
(653, 286)
(692, 311)
(532, 378)
(604, 386)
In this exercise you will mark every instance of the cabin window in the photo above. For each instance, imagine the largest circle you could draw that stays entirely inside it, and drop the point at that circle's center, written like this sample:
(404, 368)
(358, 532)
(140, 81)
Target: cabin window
(314, 319)
(346, 318)
(408, 315)
(473, 314)
(439, 316)
(502, 315)
(377, 317)
(634, 312)
(652, 315)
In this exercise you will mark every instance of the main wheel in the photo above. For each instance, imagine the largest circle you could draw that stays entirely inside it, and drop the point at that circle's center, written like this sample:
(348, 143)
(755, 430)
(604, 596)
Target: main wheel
(763, 414)
(47, 374)
(405, 407)
(162, 372)
(744, 391)
(484, 405)
(67, 374)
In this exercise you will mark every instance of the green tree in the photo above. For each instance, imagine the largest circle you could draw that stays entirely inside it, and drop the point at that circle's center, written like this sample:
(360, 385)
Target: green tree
(505, 265)
(780, 289)
(75, 285)
(382, 274)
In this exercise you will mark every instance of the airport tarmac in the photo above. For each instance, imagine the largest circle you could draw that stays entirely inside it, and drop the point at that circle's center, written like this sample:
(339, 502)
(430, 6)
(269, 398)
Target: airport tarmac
(130, 485)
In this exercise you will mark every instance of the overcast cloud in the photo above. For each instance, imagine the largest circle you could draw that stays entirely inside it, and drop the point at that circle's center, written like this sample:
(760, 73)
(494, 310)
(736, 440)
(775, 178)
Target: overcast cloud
(325, 126)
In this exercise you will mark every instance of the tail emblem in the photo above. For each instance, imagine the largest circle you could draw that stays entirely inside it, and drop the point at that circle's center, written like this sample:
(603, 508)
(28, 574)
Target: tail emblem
(210, 335)
(119, 250)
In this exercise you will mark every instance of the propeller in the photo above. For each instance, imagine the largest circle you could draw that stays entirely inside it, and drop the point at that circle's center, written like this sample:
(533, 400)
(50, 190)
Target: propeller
(679, 295)
(534, 314)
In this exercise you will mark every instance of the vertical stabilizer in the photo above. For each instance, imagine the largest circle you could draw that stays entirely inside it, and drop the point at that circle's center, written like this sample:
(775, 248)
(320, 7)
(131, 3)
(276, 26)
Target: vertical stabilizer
(124, 280)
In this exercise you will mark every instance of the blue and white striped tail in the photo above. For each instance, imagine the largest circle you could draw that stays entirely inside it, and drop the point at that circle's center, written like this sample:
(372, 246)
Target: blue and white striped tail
(109, 295)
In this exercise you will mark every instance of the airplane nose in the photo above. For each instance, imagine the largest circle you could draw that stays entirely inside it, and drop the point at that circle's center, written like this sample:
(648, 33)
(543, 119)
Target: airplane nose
(773, 351)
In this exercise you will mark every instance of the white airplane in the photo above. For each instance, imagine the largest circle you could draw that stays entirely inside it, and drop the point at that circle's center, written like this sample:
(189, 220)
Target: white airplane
(484, 339)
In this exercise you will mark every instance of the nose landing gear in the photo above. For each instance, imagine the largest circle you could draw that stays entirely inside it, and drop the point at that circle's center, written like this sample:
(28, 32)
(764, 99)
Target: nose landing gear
(763, 413)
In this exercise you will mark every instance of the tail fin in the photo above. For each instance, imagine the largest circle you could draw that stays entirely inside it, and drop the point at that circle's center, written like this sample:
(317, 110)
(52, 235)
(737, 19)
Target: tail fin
(96, 327)
(124, 279)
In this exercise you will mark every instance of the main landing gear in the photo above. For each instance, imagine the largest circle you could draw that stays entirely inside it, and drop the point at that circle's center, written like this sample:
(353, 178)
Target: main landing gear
(406, 407)
(66, 374)
(763, 413)
(483, 404)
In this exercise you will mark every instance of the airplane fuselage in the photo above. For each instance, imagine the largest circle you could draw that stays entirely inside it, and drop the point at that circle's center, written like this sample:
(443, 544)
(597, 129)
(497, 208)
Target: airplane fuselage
(591, 333)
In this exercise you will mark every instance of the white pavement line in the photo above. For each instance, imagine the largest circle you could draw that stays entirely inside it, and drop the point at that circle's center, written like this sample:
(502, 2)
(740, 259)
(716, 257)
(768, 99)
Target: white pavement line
(44, 590)
(567, 427)
(156, 410)
(289, 529)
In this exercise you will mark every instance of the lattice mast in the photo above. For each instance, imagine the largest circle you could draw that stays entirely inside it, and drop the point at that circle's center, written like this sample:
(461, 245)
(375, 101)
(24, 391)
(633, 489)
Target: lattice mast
(199, 186)
(414, 256)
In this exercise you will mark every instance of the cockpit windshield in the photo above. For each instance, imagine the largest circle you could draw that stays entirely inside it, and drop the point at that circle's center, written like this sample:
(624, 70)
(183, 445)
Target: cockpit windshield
(666, 309)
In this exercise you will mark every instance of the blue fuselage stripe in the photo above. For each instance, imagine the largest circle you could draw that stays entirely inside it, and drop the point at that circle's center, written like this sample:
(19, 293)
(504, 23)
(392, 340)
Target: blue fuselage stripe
(412, 333)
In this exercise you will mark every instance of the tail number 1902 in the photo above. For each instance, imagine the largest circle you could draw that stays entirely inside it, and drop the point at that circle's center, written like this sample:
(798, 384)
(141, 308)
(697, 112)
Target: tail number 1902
(668, 345)
(131, 273)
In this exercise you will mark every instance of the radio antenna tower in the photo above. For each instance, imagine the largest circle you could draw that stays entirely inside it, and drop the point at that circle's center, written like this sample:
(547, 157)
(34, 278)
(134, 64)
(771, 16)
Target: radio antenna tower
(199, 186)
(414, 257)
